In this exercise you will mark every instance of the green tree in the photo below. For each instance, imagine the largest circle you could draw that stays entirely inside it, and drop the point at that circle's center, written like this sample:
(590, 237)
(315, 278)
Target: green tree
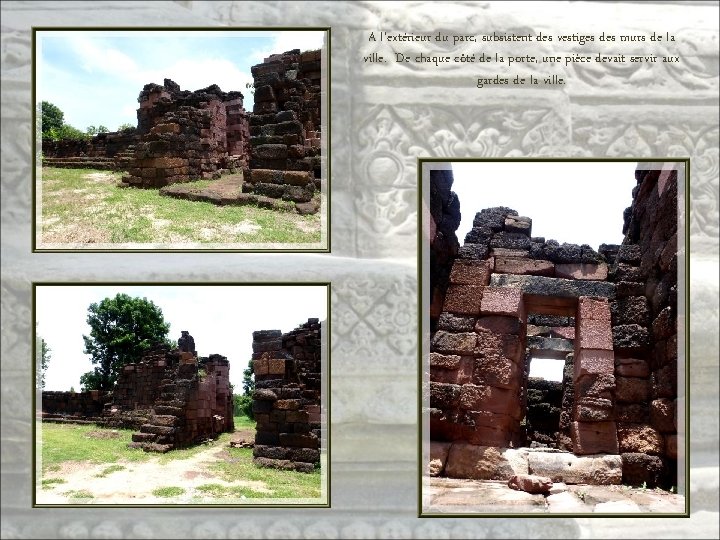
(66, 131)
(51, 118)
(44, 361)
(122, 330)
(102, 129)
(243, 403)
(126, 128)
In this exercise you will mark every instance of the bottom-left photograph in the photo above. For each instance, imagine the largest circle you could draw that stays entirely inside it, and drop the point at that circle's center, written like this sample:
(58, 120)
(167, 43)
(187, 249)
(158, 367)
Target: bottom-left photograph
(181, 394)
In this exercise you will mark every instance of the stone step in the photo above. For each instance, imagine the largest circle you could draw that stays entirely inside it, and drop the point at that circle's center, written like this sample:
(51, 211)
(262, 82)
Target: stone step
(158, 430)
(143, 437)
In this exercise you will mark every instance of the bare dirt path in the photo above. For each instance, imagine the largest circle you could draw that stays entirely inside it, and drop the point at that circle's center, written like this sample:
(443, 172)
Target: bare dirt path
(135, 483)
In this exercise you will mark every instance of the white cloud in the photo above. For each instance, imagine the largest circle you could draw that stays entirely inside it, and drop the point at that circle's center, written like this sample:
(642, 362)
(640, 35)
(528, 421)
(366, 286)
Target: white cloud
(95, 57)
(287, 41)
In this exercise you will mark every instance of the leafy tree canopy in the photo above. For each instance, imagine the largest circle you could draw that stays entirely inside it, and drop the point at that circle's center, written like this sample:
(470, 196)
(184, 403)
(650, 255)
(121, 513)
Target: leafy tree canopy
(123, 328)
(44, 361)
(52, 118)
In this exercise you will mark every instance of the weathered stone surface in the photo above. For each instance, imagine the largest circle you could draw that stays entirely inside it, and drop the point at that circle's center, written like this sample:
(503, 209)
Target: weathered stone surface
(479, 235)
(518, 265)
(640, 438)
(662, 415)
(629, 253)
(590, 271)
(664, 381)
(484, 462)
(597, 309)
(642, 469)
(510, 240)
(591, 409)
(518, 224)
(444, 361)
(625, 272)
(594, 437)
(546, 286)
(538, 343)
(470, 272)
(456, 323)
(502, 301)
(530, 483)
(438, 457)
(630, 338)
(462, 343)
(443, 395)
(498, 324)
(571, 469)
(461, 374)
(496, 371)
(473, 251)
(489, 398)
(600, 386)
(593, 334)
(631, 367)
(633, 413)
(593, 362)
(489, 419)
(630, 310)
(463, 299)
(631, 389)
(664, 324)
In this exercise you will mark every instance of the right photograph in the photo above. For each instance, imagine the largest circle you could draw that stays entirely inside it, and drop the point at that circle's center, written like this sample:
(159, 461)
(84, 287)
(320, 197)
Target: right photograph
(553, 339)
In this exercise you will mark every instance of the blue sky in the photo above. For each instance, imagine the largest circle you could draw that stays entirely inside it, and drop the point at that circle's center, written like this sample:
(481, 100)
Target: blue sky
(221, 319)
(95, 77)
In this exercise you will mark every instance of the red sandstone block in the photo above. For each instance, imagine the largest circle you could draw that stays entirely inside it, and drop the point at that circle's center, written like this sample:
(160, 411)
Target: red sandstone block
(593, 308)
(594, 362)
(487, 436)
(489, 398)
(276, 366)
(519, 265)
(502, 301)
(498, 324)
(596, 386)
(496, 371)
(564, 332)
(671, 446)
(260, 366)
(461, 375)
(662, 415)
(593, 334)
(287, 404)
(588, 271)
(470, 272)
(490, 419)
(463, 299)
(640, 438)
(594, 437)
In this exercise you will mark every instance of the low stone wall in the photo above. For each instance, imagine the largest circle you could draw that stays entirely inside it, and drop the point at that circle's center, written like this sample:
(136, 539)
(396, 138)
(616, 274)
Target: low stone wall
(77, 404)
(286, 401)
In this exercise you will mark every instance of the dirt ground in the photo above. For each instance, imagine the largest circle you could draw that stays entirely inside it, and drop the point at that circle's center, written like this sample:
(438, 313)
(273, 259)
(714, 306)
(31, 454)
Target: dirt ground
(136, 481)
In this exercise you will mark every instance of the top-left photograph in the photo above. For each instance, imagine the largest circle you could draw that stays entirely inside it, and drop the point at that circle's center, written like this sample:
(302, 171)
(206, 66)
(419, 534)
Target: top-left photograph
(181, 139)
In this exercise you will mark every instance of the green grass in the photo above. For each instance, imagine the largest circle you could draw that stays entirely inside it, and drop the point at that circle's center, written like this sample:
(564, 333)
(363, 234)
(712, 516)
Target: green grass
(219, 491)
(86, 206)
(243, 422)
(69, 442)
(169, 491)
(284, 484)
(50, 482)
(109, 470)
(79, 496)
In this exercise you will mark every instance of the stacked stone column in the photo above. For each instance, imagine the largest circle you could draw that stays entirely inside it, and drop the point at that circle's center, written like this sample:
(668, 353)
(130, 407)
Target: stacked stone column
(286, 401)
(593, 430)
(477, 360)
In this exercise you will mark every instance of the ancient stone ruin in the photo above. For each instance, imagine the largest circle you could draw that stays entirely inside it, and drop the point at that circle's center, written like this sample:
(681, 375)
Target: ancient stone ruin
(173, 398)
(286, 400)
(186, 135)
(507, 296)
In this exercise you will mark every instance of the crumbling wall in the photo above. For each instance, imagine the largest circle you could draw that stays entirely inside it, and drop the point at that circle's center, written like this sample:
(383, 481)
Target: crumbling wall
(286, 400)
(73, 404)
(184, 135)
(105, 151)
(191, 399)
(444, 245)
(610, 316)
(645, 332)
(285, 161)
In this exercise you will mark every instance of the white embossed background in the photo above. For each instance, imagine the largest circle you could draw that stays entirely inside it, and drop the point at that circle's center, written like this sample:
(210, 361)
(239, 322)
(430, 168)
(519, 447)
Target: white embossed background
(383, 117)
